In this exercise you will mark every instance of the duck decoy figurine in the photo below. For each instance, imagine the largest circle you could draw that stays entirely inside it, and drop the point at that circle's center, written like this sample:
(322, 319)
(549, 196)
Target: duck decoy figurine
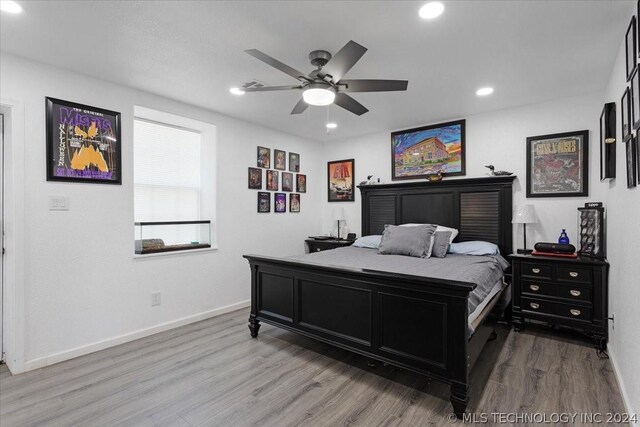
(497, 173)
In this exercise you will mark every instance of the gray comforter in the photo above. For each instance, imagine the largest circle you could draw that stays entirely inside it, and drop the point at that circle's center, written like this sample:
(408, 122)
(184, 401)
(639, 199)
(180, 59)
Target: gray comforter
(484, 271)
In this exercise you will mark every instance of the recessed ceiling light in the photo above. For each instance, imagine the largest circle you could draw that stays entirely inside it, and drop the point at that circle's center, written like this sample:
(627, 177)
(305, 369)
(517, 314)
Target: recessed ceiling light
(431, 10)
(10, 6)
(332, 125)
(236, 91)
(484, 91)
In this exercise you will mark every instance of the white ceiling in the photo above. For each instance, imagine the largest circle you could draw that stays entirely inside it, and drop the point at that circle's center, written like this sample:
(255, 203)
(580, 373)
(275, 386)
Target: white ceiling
(192, 51)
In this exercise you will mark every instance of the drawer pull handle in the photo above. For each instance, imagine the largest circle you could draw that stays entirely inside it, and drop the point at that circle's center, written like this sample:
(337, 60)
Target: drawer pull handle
(534, 305)
(575, 293)
(534, 287)
(573, 273)
(575, 312)
(317, 249)
(535, 270)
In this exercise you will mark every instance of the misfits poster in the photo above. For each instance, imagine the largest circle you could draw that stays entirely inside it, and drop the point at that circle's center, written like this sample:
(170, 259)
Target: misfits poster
(83, 143)
(557, 165)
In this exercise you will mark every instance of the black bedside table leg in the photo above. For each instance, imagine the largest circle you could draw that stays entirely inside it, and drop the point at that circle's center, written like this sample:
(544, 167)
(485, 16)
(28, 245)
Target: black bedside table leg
(518, 323)
(254, 325)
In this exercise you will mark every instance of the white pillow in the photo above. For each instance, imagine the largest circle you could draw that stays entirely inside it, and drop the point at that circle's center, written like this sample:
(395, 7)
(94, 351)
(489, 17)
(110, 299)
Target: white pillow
(454, 231)
(371, 242)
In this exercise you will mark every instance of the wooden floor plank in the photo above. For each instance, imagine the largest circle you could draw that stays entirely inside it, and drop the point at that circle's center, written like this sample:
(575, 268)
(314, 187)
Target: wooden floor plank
(213, 373)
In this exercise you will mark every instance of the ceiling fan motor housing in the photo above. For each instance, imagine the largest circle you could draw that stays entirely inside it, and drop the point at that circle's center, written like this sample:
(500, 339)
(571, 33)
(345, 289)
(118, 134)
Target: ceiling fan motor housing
(319, 58)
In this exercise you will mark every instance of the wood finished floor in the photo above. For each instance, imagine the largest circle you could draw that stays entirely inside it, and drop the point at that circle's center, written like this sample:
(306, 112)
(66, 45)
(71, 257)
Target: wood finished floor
(212, 373)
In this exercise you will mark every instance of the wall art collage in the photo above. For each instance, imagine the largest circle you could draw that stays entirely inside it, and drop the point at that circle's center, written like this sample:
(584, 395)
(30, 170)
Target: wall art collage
(629, 105)
(277, 180)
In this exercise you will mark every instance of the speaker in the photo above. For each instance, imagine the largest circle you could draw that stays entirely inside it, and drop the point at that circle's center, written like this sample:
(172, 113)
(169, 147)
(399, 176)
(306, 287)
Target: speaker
(554, 248)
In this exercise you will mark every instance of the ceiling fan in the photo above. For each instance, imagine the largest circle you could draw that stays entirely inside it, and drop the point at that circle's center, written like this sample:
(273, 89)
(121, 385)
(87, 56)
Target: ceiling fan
(325, 85)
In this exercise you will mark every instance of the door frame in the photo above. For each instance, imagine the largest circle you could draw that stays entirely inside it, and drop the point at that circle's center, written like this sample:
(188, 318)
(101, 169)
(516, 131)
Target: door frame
(13, 282)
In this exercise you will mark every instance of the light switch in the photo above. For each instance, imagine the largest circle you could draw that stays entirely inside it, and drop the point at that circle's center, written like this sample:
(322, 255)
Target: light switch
(58, 203)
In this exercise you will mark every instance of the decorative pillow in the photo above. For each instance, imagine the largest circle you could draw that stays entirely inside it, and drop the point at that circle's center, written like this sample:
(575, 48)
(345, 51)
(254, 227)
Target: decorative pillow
(476, 247)
(454, 231)
(372, 242)
(414, 241)
(440, 244)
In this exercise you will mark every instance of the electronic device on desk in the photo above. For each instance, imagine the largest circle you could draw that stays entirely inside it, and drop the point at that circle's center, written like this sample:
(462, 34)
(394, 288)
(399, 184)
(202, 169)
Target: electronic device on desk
(554, 249)
(592, 233)
(351, 236)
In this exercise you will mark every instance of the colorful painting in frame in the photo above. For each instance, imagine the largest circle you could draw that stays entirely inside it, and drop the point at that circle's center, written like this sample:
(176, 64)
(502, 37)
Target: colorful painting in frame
(301, 183)
(83, 143)
(632, 159)
(294, 202)
(558, 165)
(273, 180)
(264, 202)
(255, 178)
(294, 162)
(287, 181)
(279, 160)
(280, 202)
(264, 157)
(341, 182)
(418, 152)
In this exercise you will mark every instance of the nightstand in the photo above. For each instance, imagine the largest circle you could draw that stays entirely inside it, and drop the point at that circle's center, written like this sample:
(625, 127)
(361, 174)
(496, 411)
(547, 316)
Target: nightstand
(323, 245)
(564, 291)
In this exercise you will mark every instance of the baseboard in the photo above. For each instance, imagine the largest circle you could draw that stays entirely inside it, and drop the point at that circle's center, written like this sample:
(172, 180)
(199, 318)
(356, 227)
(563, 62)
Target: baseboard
(625, 397)
(121, 339)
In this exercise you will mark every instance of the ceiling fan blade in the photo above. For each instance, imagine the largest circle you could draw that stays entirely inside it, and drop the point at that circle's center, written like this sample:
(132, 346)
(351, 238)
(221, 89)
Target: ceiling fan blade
(300, 107)
(270, 88)
(372, 85)
(343, 61)
(277, 64)
(348, 103)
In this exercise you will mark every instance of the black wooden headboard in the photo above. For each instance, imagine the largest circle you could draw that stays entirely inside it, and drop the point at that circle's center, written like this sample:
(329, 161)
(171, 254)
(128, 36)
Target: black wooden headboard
(480, 208)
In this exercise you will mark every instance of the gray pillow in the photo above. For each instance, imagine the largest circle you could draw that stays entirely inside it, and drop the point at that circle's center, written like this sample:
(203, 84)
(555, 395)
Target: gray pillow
(440, 243)
(411, 241)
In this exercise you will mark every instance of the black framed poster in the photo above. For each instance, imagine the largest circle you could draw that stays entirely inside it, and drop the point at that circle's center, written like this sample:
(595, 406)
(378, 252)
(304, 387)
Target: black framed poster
(558, 165)
(83, 143)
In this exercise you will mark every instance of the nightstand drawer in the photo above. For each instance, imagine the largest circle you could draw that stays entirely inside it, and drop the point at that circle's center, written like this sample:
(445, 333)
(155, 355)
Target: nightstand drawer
(568, 311)
(576, 293)
(573, 274)
(531, 269)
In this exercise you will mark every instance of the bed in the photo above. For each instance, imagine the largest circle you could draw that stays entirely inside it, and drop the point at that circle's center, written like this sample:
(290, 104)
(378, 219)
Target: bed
(395, 313)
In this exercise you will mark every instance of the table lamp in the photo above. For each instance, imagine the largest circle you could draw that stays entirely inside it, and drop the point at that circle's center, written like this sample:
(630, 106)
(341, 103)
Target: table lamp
(338, 215)
(524, 214)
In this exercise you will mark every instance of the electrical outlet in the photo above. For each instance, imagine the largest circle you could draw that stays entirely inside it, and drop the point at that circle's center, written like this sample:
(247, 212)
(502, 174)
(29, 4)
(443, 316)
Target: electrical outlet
(155, 298)
(58, 203)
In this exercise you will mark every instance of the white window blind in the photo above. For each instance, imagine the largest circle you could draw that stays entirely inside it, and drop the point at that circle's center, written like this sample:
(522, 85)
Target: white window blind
(167, 176)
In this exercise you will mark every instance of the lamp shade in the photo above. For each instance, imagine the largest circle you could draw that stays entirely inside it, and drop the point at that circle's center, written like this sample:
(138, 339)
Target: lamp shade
(524, 214)
(338, 214)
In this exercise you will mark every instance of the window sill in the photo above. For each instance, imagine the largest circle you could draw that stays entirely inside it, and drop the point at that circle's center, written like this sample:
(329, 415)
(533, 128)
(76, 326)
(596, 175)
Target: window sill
(174, 253)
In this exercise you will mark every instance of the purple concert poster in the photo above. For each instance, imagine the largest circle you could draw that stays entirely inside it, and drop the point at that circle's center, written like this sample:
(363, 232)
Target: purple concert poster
(83, 143)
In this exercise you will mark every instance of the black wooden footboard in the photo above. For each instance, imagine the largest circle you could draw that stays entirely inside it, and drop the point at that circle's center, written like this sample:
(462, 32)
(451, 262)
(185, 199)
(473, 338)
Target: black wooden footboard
(409, 321)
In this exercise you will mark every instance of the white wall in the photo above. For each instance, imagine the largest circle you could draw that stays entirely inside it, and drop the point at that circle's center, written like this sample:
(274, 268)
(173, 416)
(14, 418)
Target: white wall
(497, 138)
(83, 289)
(623, 229)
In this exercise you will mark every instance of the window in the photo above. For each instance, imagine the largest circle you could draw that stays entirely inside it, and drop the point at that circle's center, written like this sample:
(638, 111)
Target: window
(167, 178)
(174, 180)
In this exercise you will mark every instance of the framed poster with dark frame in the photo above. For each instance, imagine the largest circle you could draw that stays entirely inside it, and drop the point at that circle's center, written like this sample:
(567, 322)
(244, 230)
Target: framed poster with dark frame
(558, 165)
(264, 202)
(632, 159)
(341, 180)
(294, 202)
(418, 152)
(273, 180)
(280, 202)
(279, 159)
(264, 157)
(607, 141)
(301, 183)
(635, 99)
(255, 178)
(83, 143)
(625, 115)
(287, 181)
(631, 51)
(294, 162)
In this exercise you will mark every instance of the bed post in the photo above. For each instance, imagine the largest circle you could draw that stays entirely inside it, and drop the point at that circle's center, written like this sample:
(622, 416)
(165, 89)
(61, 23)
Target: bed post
(254, 323)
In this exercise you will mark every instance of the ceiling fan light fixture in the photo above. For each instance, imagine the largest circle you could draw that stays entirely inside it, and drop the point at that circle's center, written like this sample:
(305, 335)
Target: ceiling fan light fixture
(431, 10)
(237, 91)
(319, 95)
(10, 6)
(332, 125)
